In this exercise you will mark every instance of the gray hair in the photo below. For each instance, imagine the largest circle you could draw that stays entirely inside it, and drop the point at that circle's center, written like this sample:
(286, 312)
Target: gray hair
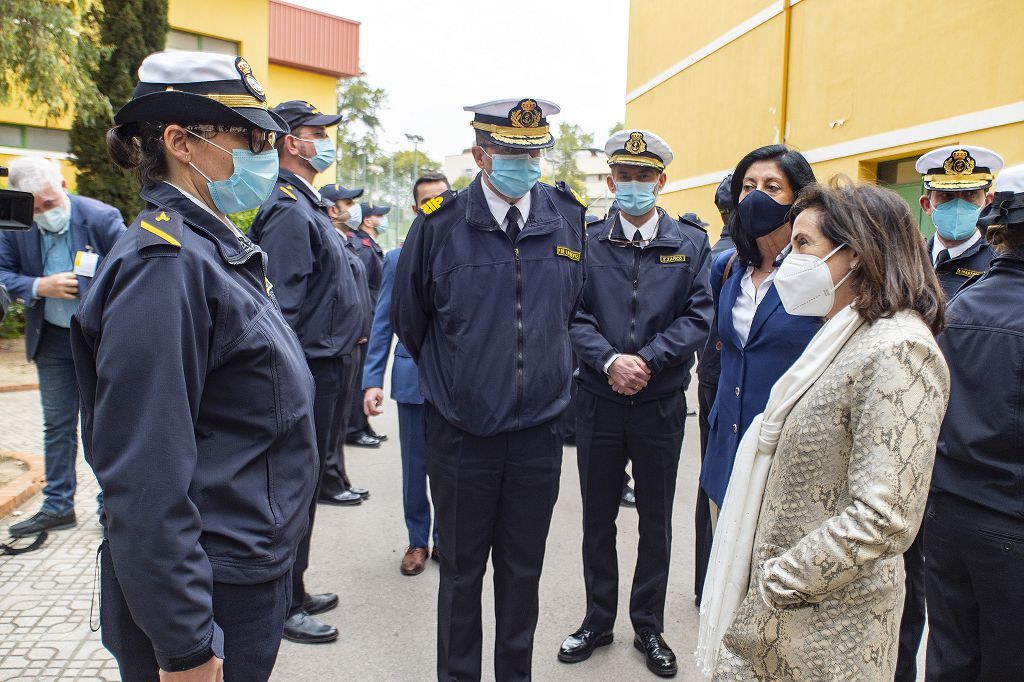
(34, 173)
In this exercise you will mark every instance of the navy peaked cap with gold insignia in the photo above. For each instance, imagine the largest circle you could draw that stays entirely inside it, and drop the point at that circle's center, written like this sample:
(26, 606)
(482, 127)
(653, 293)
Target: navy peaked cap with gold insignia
(297, 112)
(336, 192)
(199, 87)
(633, 147)
(958, 168)
(516, 123)
(371, 209)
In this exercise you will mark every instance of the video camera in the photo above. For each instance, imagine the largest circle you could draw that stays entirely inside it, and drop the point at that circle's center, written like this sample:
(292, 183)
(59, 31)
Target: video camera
(15, 208)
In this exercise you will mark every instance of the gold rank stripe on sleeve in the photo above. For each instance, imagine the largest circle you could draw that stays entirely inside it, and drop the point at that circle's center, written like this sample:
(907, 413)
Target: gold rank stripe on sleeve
(965, 272)
(159, 233)
(288, 190)
(674, 258)
(566, 252)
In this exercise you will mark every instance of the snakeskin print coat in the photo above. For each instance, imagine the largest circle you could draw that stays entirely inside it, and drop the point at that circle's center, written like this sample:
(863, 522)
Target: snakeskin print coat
(843, 501)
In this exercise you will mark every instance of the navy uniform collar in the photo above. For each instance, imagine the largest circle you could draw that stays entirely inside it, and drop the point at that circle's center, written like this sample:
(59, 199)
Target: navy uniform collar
(669, 235)
(231, 248)
(543, 218)
(293, 180)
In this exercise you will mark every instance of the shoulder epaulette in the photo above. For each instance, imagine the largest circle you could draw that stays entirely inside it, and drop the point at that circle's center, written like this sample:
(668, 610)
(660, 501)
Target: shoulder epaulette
(687, 221)
(287, 190)
(160, 230)
(443, 200)
(564, 188)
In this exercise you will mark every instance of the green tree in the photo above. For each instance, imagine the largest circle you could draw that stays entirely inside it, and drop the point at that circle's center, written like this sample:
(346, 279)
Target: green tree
(48, 53)
(615, 128)
(562, 156)
(462, 182)
(132, 29)
(359, 104)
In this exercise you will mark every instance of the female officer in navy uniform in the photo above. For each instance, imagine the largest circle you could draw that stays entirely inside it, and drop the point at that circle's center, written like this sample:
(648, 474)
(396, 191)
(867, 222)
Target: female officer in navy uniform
(196, 398)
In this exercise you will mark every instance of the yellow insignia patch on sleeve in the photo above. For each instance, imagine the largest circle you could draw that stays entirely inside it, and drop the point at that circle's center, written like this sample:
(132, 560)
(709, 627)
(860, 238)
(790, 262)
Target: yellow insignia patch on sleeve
(431, 205)
(965, 272)
(162, 217)
(674, 258)
(288, 191)
(159, 233)
(566, 252)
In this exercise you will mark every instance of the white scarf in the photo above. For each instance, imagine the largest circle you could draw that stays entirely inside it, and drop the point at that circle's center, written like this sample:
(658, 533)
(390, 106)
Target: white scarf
(728, 576)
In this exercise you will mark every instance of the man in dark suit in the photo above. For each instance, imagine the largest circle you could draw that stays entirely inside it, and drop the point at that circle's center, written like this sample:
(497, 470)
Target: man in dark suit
(49, 268)
(405, 391)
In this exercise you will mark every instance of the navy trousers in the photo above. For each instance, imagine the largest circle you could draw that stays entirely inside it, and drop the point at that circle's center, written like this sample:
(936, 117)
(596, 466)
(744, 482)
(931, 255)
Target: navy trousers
(251, 617)
(335, 478)
(493, 496)
(414, 476)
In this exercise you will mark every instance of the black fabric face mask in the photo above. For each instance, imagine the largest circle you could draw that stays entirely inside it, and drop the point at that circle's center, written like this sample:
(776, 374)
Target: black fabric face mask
(761, 215)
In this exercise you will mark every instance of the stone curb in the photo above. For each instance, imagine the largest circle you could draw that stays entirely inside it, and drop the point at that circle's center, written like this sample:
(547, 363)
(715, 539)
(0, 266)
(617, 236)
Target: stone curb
(13, 494)
(11, 388)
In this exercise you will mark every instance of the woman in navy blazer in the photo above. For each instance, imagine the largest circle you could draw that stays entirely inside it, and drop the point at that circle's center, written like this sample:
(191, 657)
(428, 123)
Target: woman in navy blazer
(765, 182)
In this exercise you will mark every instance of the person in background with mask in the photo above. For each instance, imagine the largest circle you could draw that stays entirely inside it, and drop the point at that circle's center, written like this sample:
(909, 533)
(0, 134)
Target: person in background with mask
(346, 213)
(486, 286)
(50, 268)
(830, 482)
(320, 298)
(975, 518)
(197, 404)
(646, 309)
(364, 241)
(956, 180)
(405, 391)
(760, 339)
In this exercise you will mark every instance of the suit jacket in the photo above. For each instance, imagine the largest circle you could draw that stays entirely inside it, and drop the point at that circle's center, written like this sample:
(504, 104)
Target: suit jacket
(405, 382)
(95, 227)
(748, 372)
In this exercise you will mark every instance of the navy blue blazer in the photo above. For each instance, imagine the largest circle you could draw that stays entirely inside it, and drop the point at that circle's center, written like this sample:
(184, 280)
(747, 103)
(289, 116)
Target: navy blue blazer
(775, 341)
(95, 227)
(405, 378)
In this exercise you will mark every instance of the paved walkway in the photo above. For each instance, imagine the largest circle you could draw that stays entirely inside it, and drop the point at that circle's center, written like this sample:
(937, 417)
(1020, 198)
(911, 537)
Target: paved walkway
(387, 621)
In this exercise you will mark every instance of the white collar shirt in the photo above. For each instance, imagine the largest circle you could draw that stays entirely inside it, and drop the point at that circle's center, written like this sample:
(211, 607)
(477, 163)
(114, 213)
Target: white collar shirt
(954, 251)
(499, 207)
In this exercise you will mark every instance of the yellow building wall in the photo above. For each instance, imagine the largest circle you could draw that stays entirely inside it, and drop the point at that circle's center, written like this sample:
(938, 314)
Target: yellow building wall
(246, 22)
(855, 70)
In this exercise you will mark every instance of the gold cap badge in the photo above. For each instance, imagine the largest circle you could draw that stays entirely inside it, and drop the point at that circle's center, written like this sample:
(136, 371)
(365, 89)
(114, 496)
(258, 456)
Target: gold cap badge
(526, 114)
(635, 144)
(251, 84)
(959, 163)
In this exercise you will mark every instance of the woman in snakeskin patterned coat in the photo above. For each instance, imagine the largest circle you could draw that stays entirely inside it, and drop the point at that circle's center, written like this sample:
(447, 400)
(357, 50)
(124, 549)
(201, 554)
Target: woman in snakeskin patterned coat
(846, 491)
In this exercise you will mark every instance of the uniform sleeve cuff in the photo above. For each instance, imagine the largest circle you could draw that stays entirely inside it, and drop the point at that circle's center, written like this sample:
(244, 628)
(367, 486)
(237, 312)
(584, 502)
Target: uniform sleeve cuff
(211, 645)
(610, 360)
(648, 357)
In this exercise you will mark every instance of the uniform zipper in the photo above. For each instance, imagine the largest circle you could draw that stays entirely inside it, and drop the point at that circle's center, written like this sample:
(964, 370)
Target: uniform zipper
(519, 334)
(633, 306)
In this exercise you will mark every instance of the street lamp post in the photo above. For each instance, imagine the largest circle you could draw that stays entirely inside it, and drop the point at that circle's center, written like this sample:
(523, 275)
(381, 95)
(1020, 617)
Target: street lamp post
(415, 139)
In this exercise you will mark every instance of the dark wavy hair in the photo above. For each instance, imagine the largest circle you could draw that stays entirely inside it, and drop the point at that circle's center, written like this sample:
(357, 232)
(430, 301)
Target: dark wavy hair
(797, 171)
(895, 271)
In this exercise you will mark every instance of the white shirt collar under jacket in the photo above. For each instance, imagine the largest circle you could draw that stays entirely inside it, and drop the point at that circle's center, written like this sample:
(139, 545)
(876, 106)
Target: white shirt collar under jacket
(954, 251)
(499, 207)
(648, 231)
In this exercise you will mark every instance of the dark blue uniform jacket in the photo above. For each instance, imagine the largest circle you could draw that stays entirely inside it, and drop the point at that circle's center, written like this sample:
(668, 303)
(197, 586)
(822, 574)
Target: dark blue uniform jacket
(405, 383)
(312, 278)
(486, 320)
(749, 371)
(980, 454)
(95, 227)
(955, 272)
(196, 418)
(372, 257)
(652, 301)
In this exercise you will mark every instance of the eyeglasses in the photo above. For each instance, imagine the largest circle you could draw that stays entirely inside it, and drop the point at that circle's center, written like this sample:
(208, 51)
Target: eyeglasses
(259, 140)
(623, 243)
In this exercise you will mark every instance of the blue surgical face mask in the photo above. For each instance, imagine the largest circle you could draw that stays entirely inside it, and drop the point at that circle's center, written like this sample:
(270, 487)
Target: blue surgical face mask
(250, 183)
(634, 197)
(514, 174)
(54, 221)
(325, 154)
(355, 216)
(760, 215)
(956, 220)
(383, 224)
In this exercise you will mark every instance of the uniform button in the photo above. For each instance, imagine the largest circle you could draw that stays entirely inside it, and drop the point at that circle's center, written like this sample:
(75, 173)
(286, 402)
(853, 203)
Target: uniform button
(735, 428)
(737, 390)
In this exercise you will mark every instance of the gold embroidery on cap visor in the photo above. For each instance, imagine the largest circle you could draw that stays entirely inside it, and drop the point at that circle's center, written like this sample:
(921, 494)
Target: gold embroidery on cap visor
(515, 136)
(955, 182)
(631, 160)
(238, 101)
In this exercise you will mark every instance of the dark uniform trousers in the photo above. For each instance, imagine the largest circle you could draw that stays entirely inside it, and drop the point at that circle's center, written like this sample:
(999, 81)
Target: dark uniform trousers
(703, 535)
(975, 570)
(492, 495)
(251, 617)
(650, 434)
(357, 421)
(334, 377)
(335, 478)
(914, 611)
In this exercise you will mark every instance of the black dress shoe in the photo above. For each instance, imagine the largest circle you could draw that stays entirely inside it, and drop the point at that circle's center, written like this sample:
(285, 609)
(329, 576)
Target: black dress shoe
(305, 629)
(379, 436)
(40, 522)
(579, 645)
(363, 440)
(345, 499)
(660, 659)
(318, 603)
(435, 555)
(628, 499)
(361, 492)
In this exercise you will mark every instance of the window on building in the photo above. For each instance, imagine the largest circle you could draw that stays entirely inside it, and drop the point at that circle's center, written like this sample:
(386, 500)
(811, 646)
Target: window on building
(901, 177)
(183, 40)
(31, 137)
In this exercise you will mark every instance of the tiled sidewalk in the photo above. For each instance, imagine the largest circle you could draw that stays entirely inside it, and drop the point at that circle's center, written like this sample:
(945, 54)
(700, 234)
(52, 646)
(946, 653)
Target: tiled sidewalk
(45, 596)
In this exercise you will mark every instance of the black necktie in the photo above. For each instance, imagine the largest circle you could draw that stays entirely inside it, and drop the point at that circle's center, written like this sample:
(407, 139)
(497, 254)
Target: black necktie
(637, 237)
(512, 223)
(941, 258)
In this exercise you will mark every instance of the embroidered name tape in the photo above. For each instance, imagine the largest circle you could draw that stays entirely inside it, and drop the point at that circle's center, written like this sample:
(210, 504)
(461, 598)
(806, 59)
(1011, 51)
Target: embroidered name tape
(964, 272)
(566, 252)
(675, 258)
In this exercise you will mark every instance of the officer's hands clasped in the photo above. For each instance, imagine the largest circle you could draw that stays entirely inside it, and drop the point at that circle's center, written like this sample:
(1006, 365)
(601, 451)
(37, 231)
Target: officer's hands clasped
(628, 374)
